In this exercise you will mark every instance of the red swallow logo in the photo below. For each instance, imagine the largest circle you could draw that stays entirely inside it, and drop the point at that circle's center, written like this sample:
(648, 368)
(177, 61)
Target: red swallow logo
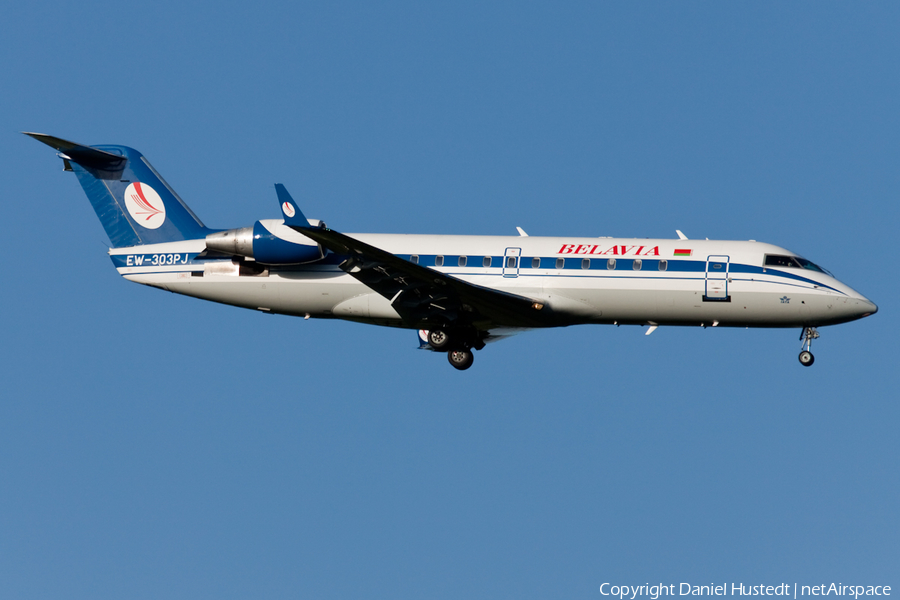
(141, 200)
(144, 205)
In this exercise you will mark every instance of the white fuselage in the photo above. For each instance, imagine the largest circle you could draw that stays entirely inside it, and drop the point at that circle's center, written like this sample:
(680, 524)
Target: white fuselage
(675, 282)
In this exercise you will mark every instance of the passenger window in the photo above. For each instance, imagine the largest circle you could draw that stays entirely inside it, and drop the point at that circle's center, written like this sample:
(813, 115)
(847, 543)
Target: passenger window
(439, 261)
(585, 263)
(636, 265)
(535, 263)
(487, 261)
(510, 262)
(611, 264)
(663, 265)
(414, 259)
(462, 261)
(560, 263)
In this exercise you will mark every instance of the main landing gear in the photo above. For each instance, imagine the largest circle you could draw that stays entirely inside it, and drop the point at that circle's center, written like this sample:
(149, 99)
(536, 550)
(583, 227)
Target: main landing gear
(806, 357)
(461, 359)
(438, 339)
(458, 344)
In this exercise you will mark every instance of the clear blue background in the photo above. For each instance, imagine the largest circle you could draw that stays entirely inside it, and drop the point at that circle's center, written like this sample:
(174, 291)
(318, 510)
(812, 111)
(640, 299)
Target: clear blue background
(153, 445)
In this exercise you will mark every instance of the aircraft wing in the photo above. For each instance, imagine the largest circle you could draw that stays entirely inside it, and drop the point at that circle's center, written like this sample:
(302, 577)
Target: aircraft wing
(424, 297)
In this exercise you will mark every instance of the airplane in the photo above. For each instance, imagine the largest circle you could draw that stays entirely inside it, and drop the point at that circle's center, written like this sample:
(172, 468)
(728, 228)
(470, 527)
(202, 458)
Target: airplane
(459, 291)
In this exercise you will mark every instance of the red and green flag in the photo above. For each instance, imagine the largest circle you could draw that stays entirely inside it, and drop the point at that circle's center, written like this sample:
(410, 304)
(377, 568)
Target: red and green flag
(683, 252)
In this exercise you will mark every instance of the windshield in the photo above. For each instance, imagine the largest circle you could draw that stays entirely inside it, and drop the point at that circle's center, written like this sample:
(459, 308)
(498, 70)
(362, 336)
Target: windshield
(808, 264)
(795, 262)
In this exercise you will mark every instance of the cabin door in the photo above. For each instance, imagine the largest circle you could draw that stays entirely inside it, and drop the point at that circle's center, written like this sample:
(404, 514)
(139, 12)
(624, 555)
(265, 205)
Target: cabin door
(716, 279)
(511, 262)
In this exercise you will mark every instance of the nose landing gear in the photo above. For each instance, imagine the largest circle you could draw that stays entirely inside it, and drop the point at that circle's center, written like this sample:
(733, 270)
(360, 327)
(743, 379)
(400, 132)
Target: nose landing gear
(808, 335)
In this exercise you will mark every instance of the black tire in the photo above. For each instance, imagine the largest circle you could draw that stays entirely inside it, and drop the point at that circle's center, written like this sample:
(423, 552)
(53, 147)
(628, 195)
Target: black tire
(438, 339)
(461, 359)
(807, 358)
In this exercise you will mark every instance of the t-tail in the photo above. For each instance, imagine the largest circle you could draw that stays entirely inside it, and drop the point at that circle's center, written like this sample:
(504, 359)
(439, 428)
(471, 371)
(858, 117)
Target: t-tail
(134, 203)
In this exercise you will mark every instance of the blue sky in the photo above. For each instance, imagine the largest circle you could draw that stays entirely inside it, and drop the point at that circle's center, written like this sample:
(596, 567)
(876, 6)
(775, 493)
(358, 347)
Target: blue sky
(153, 445)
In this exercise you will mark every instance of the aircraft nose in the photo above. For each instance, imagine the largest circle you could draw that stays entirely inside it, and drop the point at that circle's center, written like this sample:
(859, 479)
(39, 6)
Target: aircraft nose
(854, 306)
(868, 307)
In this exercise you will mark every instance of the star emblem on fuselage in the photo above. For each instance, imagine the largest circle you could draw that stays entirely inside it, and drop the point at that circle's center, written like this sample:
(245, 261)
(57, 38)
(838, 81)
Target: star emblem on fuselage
(785, 300)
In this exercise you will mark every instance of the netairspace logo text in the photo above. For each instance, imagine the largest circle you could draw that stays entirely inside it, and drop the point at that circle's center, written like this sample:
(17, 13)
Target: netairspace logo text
(654, 592)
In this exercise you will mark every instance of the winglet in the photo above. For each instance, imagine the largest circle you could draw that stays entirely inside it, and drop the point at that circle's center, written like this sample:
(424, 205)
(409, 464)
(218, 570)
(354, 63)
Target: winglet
(293, 216)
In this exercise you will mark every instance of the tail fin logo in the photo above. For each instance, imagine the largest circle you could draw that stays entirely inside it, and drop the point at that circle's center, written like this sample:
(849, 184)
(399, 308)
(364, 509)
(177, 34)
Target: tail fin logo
(144, 205)
(288, 210)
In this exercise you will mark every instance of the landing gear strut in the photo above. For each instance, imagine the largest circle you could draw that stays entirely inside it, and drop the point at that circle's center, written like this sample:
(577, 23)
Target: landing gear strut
(806, 357)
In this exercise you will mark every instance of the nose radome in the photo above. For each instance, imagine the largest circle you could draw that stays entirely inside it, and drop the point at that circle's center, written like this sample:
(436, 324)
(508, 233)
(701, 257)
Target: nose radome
(869, 307)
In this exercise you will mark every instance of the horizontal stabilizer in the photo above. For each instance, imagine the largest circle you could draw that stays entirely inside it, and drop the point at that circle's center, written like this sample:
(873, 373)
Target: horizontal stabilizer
(103, 165)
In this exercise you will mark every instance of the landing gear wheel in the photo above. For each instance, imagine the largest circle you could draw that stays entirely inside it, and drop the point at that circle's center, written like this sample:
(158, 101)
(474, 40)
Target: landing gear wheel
(460, 359)
(808, 335)
(438, 339)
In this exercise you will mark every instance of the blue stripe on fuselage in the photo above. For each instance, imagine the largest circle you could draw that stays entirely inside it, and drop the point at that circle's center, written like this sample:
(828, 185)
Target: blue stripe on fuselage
(477, 261)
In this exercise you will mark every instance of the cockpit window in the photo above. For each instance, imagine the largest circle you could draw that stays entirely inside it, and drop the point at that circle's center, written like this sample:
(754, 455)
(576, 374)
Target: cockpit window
(778, 260)
(794, 262)
(808, 264)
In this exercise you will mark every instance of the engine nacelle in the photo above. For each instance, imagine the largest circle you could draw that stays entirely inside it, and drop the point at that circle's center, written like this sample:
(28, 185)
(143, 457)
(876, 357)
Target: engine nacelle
(269, 242)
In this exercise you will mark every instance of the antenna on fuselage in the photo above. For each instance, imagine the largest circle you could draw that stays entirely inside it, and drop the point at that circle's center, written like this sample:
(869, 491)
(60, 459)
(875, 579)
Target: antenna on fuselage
(681, 236)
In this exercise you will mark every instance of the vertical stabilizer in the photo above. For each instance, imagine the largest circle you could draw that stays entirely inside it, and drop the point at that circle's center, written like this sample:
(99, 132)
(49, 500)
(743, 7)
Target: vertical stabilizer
(133, 202)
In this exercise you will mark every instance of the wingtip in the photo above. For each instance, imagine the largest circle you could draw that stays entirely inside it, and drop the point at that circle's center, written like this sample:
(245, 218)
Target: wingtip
(293, 216)
(41, 137)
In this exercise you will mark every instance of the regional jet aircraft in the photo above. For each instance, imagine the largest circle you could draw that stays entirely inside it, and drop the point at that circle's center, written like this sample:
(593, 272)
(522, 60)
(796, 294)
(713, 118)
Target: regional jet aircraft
(459, 291)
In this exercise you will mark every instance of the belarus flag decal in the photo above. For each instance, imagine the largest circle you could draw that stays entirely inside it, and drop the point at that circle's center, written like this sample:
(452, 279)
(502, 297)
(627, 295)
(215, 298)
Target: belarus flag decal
(683, 252)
